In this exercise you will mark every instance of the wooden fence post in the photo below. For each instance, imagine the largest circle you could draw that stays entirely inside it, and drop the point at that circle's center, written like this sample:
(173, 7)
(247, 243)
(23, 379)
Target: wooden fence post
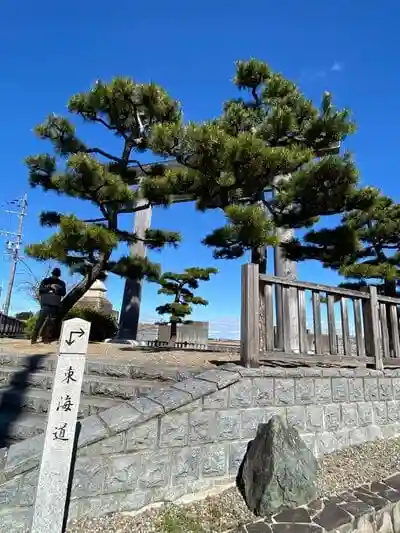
(374, 331)
(249, 318)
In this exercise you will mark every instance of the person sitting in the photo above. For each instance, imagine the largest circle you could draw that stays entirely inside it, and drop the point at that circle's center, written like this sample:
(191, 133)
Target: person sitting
(51, 292)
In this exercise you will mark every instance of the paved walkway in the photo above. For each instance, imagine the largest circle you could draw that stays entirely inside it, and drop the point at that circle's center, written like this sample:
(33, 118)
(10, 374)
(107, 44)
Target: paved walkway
(364, 509)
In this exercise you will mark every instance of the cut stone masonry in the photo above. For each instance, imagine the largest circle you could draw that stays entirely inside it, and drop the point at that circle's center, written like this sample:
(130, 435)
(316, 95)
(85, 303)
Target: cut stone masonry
(192, 435)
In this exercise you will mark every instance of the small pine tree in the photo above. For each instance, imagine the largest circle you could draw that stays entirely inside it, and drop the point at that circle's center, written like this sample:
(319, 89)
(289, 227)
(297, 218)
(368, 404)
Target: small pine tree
(111, 182)
(229, 162)
(181, 287)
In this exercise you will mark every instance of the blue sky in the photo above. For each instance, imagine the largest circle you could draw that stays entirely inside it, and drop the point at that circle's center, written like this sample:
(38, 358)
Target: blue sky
(51, 50)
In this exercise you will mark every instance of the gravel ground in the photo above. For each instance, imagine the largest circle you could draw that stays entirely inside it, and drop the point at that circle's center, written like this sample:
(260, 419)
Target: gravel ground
(348, 468)
(120, 353)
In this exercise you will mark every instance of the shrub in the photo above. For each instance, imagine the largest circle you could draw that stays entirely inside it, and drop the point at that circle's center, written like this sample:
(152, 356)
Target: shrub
(29, 325)
(103, 326)
(24, 315)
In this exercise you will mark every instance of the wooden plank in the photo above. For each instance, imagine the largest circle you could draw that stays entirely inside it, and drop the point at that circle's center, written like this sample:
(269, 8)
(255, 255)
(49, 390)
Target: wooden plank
(391, 362)
(374, 321)
(345, 326)
(286, 319)
(384, 329)
(316, 302)
(269, 317)
(279, 316)
(249, 324)
(388, 299)
(294, 319)
(337, 291)
(358, 327)
(302, 322)
(394, 320)
(287, 269)
(334, 360)
(366, 314)
(332, 325)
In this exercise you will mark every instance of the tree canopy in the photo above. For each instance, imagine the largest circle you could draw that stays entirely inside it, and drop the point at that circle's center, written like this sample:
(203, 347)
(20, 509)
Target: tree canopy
(110, 181)
(231, 161)
(364, 247)
(181, 287)
(270, 160)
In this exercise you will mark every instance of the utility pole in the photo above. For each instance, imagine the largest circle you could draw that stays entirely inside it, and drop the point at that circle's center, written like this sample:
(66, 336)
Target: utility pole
(14, 246)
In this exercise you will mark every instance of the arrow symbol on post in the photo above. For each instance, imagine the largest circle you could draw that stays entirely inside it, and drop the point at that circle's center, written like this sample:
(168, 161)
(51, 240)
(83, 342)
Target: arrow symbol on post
(77, 334)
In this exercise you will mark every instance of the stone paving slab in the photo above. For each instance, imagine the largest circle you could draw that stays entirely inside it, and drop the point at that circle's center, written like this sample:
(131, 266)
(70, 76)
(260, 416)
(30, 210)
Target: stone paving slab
(373, 506)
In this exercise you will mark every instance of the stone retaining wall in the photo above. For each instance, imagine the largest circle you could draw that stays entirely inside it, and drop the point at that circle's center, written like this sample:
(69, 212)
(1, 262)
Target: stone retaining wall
(192, 435)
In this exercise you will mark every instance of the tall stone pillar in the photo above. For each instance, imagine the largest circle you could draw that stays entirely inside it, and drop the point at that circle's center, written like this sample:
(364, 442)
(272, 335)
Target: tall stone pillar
(130, 309)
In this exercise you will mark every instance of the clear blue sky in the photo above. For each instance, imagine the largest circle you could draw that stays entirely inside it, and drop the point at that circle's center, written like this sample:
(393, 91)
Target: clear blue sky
(50, 50)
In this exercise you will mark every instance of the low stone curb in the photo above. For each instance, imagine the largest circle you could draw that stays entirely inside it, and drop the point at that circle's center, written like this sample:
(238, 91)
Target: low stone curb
(374, 507)
(123, 369)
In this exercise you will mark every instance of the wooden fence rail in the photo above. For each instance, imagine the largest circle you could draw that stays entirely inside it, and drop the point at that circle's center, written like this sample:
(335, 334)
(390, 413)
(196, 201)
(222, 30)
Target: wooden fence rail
(333, 324)
(10, 326)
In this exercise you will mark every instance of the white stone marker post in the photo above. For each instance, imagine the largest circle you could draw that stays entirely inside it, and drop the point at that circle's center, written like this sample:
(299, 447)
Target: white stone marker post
(49, 509)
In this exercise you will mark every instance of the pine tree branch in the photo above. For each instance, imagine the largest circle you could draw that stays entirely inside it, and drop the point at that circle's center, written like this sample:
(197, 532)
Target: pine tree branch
(117, 159)
(98, 119)
(255, 96)
(89, 220)
(103, 153)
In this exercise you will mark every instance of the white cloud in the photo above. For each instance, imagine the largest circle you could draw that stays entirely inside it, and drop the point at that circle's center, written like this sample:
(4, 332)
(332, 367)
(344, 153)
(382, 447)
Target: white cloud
(337, 67)
(310, 74)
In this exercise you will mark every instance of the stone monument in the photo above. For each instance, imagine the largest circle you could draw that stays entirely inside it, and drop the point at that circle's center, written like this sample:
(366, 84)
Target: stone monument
(278, 470)
(95, 298)
(51, 494)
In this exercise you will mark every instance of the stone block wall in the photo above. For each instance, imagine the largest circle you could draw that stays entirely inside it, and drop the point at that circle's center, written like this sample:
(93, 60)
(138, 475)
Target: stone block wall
(193, 435)
(195, 332)
(147, 332)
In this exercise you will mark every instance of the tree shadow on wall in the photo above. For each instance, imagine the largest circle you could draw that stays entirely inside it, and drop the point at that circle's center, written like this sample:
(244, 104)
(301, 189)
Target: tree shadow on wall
(13, 398)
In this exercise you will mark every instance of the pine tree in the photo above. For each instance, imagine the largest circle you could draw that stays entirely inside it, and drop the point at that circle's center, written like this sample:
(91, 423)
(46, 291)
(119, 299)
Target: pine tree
(364, 247)
(111, 182)
(228, 163)
(182, 286)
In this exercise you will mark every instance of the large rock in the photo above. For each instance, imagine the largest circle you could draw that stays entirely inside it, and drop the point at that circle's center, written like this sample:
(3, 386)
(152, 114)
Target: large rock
(278, 470)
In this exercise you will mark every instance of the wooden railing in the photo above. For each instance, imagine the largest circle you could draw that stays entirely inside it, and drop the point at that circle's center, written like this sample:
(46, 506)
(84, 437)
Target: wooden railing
(280, 315)
(180, 344)
(10, 326)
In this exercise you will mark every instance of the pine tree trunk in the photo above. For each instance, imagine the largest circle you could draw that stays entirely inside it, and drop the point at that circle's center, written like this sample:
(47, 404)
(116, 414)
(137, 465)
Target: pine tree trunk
(259, 257)
(173, 334)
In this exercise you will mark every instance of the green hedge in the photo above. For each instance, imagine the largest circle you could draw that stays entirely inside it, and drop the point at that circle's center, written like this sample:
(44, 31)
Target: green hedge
(103, 326)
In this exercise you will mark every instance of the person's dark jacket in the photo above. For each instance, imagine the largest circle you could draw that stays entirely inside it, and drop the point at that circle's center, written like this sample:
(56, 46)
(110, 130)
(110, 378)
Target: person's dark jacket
(51, 291)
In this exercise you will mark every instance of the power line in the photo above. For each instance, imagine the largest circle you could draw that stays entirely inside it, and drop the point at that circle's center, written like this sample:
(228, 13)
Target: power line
(13, 245)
